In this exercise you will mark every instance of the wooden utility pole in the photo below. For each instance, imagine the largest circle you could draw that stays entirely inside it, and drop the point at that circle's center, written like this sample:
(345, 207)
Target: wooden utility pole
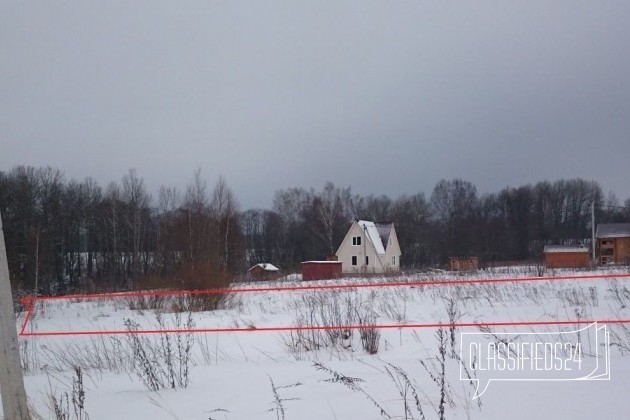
(11, 380)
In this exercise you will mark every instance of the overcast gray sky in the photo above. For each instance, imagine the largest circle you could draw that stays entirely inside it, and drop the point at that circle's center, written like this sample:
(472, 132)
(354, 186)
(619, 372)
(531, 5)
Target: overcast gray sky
(384, 96)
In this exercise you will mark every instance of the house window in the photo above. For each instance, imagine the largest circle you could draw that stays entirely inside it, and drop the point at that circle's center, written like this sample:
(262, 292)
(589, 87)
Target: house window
(394, 260)
(354, 260)
(367, 260)
(356, 240)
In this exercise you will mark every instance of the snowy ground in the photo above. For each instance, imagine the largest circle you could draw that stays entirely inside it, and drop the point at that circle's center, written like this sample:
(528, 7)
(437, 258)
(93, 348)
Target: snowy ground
(256, 374)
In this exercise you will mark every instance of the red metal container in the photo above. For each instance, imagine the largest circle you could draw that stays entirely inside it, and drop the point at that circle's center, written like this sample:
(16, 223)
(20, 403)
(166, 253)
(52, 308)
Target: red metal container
(321, 270)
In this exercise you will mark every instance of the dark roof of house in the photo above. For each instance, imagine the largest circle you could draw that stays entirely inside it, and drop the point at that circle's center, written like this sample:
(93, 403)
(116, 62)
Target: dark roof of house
(384, 229)
(377, 234)
(613, 230)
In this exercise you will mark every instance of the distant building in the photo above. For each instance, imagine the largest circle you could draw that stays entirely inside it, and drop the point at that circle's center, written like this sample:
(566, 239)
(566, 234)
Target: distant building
(614, 243)
(263, 271)
(463, 263)
(567, 256)
(370, 248)
(321, 270)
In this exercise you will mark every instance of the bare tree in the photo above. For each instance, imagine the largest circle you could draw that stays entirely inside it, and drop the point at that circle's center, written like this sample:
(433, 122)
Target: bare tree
(225, 209)
(376, 208)
(48, 233)
(197, 210)
(454, 204)
(92, 196)
(291, 206)
(412, 217)
(196, 199)
(253, 224)
(168, 204)
(136, 199)
(332, 208)
(112, 210)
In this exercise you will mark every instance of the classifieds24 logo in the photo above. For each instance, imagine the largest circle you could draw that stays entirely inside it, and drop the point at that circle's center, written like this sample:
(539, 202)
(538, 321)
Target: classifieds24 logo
(579, 355)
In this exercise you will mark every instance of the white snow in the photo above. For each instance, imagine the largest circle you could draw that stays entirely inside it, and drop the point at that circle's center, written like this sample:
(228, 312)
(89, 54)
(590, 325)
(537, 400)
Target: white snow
(266, 267)
(232, 372)
(565, 248)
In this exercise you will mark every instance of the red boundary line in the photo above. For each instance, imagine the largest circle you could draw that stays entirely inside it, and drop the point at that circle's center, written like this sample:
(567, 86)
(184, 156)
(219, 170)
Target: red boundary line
(323, 287)
(29, 302)
(340, 327)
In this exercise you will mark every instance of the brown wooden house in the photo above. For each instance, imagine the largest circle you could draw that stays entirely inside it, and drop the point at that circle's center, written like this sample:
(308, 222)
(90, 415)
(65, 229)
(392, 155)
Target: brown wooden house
(613, 240)
(463, 263)
(263, 271)
(566, 256)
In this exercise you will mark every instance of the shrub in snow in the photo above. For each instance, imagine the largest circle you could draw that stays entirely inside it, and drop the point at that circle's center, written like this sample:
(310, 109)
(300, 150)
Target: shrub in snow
(164, 362)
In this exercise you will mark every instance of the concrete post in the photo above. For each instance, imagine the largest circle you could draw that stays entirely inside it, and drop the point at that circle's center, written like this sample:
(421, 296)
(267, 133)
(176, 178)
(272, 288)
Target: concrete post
(12, 390)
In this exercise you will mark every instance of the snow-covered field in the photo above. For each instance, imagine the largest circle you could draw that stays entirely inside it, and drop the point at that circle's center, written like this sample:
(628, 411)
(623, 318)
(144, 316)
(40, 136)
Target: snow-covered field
(324, 374)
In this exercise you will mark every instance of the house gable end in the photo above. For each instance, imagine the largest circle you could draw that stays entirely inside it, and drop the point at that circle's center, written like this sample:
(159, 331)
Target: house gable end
(394, 248)
(354, 230)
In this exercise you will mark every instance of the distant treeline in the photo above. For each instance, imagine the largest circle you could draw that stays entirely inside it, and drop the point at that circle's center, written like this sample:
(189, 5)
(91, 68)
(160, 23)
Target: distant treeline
(63, 235)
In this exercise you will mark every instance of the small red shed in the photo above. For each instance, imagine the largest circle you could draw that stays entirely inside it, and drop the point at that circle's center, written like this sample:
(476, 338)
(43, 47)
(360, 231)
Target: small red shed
(567, 256)
(321, 270)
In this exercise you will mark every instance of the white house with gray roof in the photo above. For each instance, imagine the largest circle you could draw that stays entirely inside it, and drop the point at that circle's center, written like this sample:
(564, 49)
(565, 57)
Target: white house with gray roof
(370, 247)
